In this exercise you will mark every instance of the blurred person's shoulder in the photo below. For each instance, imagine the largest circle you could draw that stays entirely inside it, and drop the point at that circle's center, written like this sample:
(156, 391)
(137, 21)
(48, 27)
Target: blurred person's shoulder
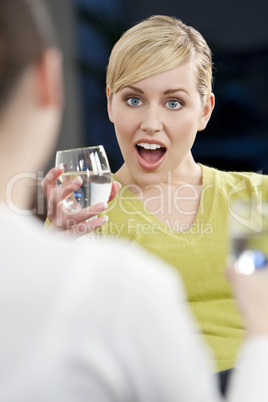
(25, 241)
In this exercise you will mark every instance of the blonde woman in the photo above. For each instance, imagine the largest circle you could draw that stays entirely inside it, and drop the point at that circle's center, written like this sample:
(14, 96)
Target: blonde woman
(159, 94)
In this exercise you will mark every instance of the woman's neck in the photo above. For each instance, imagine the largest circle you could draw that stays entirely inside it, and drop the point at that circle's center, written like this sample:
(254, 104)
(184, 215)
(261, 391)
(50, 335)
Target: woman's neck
(188, 173)
(175, 200)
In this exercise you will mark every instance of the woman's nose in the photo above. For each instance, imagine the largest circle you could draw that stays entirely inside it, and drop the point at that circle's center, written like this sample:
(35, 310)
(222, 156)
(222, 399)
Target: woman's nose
(151, 121)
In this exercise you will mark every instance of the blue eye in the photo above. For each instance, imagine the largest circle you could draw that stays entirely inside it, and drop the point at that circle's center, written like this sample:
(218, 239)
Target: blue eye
(174, 104)
(134, 101)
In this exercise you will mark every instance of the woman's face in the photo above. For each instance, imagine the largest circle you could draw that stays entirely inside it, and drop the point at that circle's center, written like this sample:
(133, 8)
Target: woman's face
(156, 121)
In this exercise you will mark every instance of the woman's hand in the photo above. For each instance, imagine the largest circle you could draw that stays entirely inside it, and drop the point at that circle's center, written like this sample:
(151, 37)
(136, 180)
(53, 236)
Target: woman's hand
(251, 294)
(60, 217)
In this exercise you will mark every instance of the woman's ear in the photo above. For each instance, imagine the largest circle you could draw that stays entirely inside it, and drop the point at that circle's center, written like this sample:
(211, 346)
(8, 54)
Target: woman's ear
(207, 111)
(49, 79)
(109, 103)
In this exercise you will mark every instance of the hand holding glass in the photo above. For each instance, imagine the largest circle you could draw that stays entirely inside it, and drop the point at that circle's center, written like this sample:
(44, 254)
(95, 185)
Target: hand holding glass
(92, 165)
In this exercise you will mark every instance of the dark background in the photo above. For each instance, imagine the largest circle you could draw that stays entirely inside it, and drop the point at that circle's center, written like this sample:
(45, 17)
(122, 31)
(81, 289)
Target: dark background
(237, 32)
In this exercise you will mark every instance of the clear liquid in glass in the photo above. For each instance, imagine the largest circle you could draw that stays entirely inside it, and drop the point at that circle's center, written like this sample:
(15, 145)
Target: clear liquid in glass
(96, 188)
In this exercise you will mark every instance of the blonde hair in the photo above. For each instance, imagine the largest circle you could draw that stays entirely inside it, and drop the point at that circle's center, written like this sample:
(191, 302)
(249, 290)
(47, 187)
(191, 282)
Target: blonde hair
(155, 45)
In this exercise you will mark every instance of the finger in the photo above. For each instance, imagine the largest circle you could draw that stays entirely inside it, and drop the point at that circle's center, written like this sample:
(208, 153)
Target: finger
(231, 273)
(87, 227)
(67, 188)
(87, 213)
(50, 179)
(115, 190)
(62, 217)
(58, 194)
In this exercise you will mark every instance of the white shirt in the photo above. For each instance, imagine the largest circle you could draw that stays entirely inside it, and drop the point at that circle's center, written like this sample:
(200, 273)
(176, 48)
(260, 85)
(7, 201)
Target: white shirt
(103, 322)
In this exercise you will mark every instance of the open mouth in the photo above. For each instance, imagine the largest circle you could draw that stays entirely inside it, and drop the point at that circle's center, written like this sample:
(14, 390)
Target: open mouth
(150, 153)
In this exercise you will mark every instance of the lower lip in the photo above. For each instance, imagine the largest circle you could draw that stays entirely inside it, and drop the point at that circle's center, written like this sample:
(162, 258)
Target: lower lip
(149, 166)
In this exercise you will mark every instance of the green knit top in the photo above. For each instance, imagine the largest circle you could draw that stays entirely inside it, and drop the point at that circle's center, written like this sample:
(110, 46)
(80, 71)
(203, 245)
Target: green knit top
(199, 254)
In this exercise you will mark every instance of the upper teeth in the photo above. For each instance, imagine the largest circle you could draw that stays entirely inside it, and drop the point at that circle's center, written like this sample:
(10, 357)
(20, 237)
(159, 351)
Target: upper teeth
(149, 146)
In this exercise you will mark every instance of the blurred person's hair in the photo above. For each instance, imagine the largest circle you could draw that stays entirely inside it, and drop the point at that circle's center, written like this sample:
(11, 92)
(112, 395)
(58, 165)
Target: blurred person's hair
(25, 33)
(155, 45)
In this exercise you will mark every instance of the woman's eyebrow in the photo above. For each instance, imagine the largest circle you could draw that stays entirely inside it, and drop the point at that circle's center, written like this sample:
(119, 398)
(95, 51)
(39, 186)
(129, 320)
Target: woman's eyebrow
(168, 91)
(134, 89)
(171, 91)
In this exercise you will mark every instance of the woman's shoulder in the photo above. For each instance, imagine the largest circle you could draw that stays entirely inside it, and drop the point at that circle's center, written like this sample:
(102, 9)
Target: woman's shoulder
(235, 182)
(234, 176)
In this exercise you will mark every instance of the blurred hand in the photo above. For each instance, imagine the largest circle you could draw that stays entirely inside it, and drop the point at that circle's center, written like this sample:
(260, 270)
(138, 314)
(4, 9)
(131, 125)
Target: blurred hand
(60, 217)
(251, 294)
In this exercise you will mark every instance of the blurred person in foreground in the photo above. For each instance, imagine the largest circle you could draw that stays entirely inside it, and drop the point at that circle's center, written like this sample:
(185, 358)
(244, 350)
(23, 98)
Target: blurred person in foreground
(102, 323)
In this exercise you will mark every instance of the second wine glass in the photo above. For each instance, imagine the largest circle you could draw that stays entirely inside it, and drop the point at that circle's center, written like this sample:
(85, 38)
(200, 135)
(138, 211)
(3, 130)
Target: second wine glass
(248, 234)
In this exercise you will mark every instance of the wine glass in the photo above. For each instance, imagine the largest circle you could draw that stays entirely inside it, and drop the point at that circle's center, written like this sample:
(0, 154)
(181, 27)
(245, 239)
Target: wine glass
(91, 164)
(248, 234)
